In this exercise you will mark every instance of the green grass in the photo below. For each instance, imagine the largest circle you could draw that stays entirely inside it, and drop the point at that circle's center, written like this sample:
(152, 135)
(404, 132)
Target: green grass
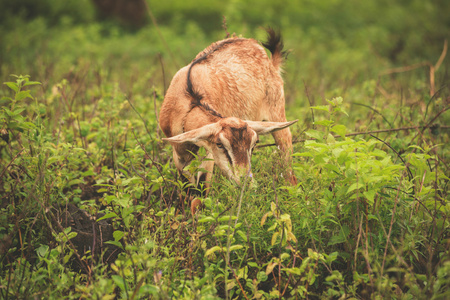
(368, 219)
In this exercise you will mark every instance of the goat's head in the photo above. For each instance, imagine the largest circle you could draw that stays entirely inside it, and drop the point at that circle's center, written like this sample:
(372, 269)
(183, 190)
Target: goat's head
(231, 142)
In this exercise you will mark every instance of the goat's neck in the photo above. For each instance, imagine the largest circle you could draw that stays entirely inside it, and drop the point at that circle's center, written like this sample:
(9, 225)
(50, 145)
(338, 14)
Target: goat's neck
(197, 118)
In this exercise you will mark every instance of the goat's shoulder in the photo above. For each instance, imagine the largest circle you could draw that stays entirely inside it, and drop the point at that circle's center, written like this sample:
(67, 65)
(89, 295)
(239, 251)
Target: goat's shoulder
(175, 106)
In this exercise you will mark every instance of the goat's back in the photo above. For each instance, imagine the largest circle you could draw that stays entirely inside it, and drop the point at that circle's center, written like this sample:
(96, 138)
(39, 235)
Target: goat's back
(235, 78)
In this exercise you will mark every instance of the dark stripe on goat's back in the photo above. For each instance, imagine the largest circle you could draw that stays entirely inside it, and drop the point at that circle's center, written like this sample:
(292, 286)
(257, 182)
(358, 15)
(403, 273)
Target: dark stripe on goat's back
(190, 89)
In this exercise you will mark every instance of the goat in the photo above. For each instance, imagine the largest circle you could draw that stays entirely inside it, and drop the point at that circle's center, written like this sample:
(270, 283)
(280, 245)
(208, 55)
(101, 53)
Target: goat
(227, 96)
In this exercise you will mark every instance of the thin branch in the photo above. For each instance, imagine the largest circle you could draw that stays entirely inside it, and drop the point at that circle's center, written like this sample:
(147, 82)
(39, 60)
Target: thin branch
(441, 58)
(12, 160)
(374, 110)
(367, 132)
(398, 155)
(140, 117)
(433, 68)
(310, 102)
(157, 166)
(163, 71)
(434, 96)
(160, 34)
(225, 26)
(405, 68)
(435, 117)
(388, 237)
(158, 129)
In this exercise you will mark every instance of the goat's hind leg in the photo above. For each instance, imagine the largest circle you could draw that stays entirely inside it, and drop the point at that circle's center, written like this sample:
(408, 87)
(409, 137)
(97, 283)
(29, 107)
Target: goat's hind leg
(283, 140)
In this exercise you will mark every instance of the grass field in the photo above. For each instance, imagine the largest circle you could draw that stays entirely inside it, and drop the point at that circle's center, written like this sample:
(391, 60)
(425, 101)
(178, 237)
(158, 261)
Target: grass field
(92, 206)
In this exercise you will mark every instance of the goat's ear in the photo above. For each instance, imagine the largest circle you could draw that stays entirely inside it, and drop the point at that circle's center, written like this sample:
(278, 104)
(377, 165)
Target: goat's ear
(194, 136)
(268, 127)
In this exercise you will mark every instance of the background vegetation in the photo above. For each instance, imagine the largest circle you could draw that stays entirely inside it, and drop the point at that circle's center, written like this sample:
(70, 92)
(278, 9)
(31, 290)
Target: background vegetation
(92, 207)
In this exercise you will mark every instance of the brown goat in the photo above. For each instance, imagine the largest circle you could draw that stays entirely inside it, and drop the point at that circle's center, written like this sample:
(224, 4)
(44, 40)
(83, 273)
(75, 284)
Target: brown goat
(227, 96)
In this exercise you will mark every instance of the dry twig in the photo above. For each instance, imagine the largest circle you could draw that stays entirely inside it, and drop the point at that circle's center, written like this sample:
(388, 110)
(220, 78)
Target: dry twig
(433, 68)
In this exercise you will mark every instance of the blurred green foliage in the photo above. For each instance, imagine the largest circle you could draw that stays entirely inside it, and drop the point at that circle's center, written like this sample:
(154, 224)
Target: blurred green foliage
(332, 35)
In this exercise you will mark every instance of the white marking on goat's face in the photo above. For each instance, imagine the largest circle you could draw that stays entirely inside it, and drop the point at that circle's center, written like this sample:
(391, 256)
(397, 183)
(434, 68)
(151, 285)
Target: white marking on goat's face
(232, 148)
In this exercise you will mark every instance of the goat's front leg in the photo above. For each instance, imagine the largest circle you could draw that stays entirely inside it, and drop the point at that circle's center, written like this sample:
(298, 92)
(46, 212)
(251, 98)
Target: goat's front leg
(283, 139)
(182, 158)
(204, 177)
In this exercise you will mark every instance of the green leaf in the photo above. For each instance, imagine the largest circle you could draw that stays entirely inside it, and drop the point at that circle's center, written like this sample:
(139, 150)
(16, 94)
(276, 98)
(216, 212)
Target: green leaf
(341, 237)
(284, 256)
(88, 173)
(264, 218)
(206, 219)
(372, 217)
(354, 186)
(261, 276)
(6, 99)
(242, 235)
(333, 168)
(18, 110)
(12, 85)
(293, 271)
(336, 101)
(117, 244)
(75, 181)
(118, 235)
(226, 218)
(291, 237)
(28, 125)
(161, 213)
(236, 247)
(318, 135)
(270, 267)
(331, 257)
(370, 196)
(273, 206)
(145, 289)
(336, 239)
(31, 83)
(325, 123)
(108, 216)
(330, 139)
(339, 129)
(22, 95)
(212, 250)
(271, 228)
(306, 154)
(8, 112)
(320, 158)
(274, 238)
(42, 250)
(285, 217)
(71, 235)
(321, 107)
(119, 281)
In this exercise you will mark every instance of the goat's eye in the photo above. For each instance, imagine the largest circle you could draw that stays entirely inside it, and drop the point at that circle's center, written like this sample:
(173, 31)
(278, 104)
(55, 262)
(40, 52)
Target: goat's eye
(219, 145)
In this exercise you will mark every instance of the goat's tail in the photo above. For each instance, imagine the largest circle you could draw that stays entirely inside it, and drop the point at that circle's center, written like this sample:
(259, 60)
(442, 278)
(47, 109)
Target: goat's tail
(275, 45)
